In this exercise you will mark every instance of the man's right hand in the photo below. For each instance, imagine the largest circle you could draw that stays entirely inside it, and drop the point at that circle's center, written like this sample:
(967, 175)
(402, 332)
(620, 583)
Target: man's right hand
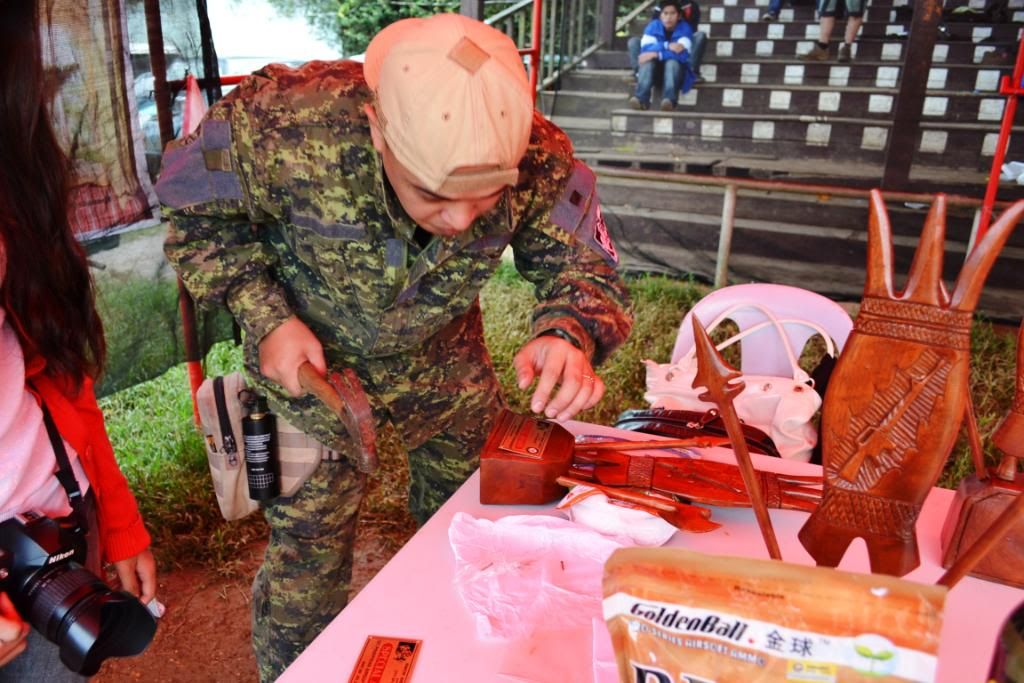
(285, 348)
(13, 631)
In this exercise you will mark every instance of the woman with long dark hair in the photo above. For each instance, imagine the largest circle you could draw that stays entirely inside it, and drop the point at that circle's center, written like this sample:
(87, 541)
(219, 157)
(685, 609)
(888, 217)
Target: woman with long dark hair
(51, 351)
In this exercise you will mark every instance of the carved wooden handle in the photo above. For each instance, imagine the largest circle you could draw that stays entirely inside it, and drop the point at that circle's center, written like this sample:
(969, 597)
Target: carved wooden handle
(343, 394)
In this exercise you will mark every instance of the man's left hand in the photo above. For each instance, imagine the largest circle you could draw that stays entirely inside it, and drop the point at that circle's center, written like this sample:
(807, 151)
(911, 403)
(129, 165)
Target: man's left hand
(676, 47)
(554, 361)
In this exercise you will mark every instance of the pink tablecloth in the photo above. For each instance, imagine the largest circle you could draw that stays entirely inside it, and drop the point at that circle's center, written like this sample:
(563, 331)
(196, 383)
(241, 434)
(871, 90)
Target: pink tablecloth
(413, 595)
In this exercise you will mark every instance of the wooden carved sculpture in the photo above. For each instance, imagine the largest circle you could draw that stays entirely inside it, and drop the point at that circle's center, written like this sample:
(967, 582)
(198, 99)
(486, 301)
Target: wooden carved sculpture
(982, 498)
(897, 395)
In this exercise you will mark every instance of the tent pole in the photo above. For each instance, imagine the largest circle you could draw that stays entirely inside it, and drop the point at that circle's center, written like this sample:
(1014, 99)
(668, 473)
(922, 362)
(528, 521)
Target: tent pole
(161, 93)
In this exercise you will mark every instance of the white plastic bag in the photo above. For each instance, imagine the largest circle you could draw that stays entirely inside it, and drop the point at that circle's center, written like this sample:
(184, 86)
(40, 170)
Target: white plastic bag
(525, 573)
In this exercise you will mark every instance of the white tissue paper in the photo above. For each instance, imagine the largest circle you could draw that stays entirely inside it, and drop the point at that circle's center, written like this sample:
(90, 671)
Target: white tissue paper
(627, 525)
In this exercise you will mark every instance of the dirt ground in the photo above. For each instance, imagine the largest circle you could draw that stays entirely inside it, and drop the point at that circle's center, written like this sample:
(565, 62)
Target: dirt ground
(204, 635)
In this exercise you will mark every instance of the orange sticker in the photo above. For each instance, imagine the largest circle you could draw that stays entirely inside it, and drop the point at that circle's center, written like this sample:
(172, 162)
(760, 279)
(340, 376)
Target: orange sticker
(386, 660)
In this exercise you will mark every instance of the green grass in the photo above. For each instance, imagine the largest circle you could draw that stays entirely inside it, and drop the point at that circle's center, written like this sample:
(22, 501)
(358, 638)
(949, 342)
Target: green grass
(162, 455)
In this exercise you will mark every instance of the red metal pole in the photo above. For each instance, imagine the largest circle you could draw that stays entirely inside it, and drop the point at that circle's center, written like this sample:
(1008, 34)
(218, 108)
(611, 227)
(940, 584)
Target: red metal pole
(533, 52)
(1011, 90)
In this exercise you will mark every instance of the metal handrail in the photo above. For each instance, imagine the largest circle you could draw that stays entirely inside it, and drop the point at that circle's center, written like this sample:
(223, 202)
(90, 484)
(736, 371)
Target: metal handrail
(563, 33)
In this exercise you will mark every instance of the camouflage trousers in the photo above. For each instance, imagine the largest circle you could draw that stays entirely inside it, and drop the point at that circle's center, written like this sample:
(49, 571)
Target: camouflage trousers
(307, 569)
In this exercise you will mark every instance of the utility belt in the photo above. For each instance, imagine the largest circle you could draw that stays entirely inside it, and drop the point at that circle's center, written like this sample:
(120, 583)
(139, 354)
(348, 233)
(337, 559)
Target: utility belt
(294, 456)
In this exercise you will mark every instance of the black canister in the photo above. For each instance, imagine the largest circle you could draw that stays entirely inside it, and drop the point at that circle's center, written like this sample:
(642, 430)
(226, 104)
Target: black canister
(259, 438)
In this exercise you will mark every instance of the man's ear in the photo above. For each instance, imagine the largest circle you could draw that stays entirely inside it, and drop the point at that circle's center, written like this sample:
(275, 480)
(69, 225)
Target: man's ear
(375, 134)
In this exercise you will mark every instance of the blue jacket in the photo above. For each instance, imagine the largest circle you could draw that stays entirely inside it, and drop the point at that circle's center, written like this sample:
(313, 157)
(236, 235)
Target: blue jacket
(654, 40)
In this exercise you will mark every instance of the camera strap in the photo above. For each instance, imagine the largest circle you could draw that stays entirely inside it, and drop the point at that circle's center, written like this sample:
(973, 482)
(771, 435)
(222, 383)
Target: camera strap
(65, 475)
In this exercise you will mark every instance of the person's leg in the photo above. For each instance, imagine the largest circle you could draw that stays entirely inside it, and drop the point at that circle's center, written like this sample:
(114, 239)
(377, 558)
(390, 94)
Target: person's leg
(853, 25)
(644, 84)
(462, 418)
(698, 45)
(39, 662)
(773, 10)
(825, 27)
(304, 580)
(671, 82)
(633, 48)
(820, 52)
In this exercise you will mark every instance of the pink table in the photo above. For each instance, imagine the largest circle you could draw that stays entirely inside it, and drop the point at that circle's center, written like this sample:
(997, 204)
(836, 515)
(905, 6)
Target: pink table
(413, 595)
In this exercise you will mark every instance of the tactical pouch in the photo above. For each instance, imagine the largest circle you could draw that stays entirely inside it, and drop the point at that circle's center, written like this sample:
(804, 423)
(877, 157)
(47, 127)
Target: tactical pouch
(220, 415)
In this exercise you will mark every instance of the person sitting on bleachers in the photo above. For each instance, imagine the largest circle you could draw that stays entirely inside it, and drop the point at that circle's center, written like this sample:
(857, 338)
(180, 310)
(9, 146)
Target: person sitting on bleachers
(664, 50)
(691, 15)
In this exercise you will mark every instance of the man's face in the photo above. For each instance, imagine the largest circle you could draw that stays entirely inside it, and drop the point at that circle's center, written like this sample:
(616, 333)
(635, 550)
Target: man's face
(670, 18)
(439, 215)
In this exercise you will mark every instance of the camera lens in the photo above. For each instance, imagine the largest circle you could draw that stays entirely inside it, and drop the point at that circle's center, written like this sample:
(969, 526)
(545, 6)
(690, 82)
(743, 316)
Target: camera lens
(85, 618)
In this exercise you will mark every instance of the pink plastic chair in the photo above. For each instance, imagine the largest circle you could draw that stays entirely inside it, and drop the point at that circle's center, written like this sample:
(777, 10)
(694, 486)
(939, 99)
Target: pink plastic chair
(762, 352)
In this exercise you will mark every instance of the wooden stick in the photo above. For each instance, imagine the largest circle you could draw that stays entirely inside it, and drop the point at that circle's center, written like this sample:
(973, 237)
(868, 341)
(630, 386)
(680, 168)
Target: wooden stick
(715, 374)
(988, 540)
(695, 442)
(974, 438)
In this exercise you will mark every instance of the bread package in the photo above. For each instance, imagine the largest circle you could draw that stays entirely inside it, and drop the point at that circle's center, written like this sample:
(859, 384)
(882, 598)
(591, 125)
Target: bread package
(676, 615)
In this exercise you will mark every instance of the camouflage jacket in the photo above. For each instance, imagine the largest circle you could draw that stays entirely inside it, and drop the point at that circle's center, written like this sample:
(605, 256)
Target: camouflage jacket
(279, 205)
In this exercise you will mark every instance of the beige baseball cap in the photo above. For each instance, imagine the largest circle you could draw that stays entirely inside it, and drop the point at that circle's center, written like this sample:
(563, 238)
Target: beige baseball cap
(452, 100)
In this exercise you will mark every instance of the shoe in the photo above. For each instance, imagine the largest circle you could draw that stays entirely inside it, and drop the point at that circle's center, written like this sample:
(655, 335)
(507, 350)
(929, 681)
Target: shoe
(844, 52)
(699, 79)
(666, 105)
(635, 102)
(768, 16)
(817, 54)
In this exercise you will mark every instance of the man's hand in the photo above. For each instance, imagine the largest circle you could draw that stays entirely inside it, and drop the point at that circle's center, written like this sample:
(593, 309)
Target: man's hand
(676, 47)
(138, 576)
(13, 631)
(647, 57)
(285, 348)
(551, 360)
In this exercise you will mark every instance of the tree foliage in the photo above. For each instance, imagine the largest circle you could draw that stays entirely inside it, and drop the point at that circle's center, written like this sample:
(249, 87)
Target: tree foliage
(360, 20)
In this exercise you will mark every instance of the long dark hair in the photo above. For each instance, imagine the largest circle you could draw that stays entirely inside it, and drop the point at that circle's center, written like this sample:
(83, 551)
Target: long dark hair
(47, 289)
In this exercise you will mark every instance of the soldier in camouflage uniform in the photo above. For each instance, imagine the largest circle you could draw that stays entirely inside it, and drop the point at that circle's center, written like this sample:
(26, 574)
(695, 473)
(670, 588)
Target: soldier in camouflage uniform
(325, 211)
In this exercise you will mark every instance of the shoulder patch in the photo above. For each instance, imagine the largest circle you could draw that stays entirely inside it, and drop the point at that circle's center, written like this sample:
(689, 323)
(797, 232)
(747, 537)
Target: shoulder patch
(199, 170)
(578, 212)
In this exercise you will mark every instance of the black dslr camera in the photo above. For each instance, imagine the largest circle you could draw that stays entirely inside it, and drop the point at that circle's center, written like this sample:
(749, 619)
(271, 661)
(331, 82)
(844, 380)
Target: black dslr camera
(41, 571)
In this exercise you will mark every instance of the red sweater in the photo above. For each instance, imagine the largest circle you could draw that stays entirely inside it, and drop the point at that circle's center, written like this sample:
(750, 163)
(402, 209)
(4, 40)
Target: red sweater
(80, 422)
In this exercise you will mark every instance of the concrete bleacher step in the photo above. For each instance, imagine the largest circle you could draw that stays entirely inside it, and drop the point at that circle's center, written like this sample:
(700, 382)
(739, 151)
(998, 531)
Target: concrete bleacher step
(824, 137)
(790, 70)
(713, 98)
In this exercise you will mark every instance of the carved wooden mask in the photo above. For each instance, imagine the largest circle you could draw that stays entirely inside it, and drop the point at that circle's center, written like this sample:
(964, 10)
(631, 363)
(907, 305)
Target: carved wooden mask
(897, 396)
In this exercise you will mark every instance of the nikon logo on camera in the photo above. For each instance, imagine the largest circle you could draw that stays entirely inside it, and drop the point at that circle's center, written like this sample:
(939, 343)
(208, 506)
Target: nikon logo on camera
(60, 556)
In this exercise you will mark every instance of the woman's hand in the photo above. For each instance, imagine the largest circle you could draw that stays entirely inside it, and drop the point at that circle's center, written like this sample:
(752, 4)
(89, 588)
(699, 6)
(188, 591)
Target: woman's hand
(13, 631)
(138, 576)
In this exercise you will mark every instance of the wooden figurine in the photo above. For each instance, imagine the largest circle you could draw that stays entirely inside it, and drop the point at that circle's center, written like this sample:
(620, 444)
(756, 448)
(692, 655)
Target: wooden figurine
(981, 498)
(897, 395)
